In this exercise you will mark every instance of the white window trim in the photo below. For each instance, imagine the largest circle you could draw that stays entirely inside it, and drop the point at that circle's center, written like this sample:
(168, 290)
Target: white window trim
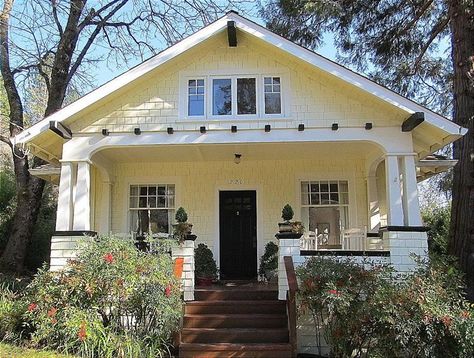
(285, 93)
(186, 85)
(129, 209)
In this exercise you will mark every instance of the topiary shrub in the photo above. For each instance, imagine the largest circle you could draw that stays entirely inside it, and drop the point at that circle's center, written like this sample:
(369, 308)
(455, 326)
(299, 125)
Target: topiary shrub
(181, 215)
(205, 265)
(269, 262)
(287, 212)
(112, 300)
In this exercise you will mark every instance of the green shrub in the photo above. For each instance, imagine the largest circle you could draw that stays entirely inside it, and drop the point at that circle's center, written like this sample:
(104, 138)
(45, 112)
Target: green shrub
(269, 261)
(287, 212)
(112, 300)
(12, 308)
(205, 265)
(7, 203)
(181, 215)
(438, 220)
(364, 311)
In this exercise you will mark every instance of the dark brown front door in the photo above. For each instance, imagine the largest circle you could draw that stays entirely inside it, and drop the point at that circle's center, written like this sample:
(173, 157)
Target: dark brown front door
(238, 235)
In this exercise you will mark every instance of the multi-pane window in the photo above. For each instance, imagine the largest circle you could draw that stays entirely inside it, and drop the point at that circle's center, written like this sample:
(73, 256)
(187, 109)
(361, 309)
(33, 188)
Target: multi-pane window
(196, 97)
(272, 90)
(324, 210)
(151, 208)
(253, 96)
(221, 96)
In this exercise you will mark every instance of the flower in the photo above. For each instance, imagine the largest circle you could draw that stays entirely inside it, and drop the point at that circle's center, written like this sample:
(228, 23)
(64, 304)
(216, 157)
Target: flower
(465, 314)
(447, 321)
(109, 258)
(52, 312)
(32, 306)
(168, 291)
(334, 292)
(82, 334)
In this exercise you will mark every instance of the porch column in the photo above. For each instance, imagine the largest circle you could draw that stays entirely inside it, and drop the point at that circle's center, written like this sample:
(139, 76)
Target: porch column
(82, 209)
(106, 208)
(410, 192)
(373, 203)
(64, 216)
(394, 192)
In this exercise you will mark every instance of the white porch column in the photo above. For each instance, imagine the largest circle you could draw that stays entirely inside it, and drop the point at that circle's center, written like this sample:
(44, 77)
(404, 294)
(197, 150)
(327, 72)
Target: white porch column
(82, 209)
(410, 192)
(64, 214)
(373, 203)
(394, 193)
(106, 208)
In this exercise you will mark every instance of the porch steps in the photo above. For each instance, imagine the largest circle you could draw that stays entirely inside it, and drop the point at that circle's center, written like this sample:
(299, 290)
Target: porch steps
(245, 322)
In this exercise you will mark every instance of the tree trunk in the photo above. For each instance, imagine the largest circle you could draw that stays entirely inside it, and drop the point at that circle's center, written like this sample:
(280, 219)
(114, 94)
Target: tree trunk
(29, 194)
(461, 243)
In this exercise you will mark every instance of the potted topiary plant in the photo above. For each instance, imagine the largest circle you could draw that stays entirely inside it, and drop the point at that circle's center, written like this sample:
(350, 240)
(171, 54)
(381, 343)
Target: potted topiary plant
(182, 229)
(205, 265)
(269, 262)
(286, 214)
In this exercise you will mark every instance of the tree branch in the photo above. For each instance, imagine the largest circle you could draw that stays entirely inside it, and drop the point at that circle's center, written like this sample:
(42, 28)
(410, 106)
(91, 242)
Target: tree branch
(54, 4)
(14, 100)
(440, 27)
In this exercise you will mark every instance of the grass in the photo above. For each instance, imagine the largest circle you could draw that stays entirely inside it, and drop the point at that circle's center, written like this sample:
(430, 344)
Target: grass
(7, 350)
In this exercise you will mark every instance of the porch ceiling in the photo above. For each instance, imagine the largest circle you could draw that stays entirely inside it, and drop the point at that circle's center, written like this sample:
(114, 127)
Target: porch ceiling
(223, 152)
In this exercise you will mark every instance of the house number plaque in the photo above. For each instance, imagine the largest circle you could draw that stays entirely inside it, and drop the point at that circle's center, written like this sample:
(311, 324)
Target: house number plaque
(236, 181)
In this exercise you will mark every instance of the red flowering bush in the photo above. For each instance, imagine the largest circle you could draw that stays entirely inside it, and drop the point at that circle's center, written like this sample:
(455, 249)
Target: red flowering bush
(364, 310)
(112, 300)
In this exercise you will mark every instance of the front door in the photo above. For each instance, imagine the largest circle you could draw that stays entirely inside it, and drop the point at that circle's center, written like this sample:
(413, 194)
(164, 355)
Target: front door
(238, 234)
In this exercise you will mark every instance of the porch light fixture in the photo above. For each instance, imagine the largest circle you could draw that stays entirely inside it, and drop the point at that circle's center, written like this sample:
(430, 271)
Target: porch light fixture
(202, 129)
(105, 132)
(170, 130)
(335, 126)
(368, 125)
(137, 131)
(237, 157)
(301, 127)
(268, 128)
(233, 129)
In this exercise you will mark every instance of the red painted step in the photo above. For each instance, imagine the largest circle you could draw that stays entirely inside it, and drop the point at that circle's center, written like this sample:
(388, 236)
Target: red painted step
(249, 350)
(234, 295)
(234, 335)
(238, 307)
(235, 321)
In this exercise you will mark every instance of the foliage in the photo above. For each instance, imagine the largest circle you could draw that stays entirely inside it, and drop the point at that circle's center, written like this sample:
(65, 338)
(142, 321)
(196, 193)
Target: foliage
(112, 300)
(205, 265)
(7, 203)
(437, 218)
(269, 261)
(181, 215)
(367, 312)
(12, 308)
(396, 43)
(287, 212)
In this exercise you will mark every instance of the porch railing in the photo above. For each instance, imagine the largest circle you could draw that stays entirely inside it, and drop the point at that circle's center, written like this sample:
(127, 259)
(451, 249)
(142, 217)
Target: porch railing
(354, 239)
(291, 302)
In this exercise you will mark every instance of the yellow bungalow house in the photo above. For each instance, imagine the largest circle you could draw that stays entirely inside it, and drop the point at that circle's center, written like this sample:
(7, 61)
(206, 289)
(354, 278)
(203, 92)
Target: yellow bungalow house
(232, 123)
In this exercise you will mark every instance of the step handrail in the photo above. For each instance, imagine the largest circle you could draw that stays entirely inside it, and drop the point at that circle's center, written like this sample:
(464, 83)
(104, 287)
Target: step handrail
(291, 301)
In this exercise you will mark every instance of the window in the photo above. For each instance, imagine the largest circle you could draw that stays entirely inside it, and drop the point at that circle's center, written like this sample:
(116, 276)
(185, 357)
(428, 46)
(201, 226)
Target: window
(196, 97)
(272, 90)
(221, 97)
(151, 208)
(324, 210)
(244, 96)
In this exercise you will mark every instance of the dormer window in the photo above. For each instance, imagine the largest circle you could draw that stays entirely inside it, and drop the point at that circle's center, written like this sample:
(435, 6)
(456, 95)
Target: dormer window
(272, 90)
(237, 96)
(196, 97)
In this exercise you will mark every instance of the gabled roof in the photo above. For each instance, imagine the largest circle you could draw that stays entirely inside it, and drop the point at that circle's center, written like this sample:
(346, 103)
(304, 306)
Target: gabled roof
(451, 130)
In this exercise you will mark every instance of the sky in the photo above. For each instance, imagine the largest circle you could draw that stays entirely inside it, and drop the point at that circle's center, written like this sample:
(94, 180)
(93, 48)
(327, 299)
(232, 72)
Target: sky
(104, 73)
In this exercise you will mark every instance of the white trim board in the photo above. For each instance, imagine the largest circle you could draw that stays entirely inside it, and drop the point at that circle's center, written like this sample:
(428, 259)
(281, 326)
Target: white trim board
(262, 33)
